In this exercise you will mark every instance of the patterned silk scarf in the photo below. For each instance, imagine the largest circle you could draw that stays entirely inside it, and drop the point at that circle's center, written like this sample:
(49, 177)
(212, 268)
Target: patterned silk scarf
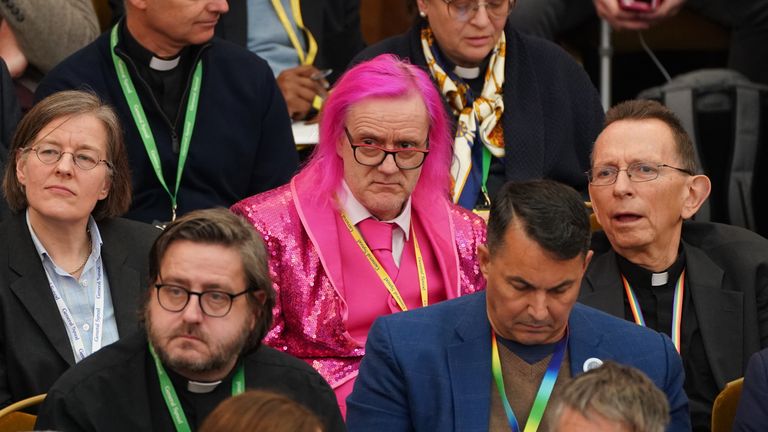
(475, 114)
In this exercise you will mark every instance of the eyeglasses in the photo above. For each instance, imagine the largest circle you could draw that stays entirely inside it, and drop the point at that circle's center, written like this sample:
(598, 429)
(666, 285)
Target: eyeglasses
(465, 10)
(373, 155)
(637, 172)
(174, 298)
(85, 159)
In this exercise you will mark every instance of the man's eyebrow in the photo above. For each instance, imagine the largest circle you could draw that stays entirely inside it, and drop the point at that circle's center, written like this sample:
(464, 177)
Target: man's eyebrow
(527, 284)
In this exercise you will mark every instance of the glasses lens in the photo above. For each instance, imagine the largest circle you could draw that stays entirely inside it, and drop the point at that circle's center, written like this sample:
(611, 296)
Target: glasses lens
(461, 10)
(641, 172)
(409, 159)
(48, 154)
(86, 159)
(215, 303)
(603, 175)
(172, 298)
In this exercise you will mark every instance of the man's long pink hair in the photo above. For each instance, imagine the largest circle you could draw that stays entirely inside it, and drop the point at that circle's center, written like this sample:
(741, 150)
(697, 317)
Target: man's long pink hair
(384, 77)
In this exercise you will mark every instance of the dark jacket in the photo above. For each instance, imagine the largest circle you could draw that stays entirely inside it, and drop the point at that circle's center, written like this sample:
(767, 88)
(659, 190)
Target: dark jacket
(727, 276)
(117, 389)
(335, 25)
(242, 142)
(35, 346)
(552, 112)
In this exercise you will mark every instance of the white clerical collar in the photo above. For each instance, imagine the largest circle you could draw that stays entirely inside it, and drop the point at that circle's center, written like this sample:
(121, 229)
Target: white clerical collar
(467, 73)
(163, 65)
(659, 279)
(202, 387)
(356, 212)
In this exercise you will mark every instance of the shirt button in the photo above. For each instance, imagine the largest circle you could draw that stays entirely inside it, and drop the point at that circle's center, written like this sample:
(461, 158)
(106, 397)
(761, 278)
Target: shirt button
(86, 327)
(84, 283)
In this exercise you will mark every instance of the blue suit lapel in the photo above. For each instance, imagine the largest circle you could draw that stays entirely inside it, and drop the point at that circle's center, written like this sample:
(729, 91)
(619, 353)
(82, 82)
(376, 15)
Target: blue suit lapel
(469, 363)
(584, 341)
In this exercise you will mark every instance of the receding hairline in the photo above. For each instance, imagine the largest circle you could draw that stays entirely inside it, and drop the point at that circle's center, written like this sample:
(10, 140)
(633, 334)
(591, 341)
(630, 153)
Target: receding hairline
(676, 150)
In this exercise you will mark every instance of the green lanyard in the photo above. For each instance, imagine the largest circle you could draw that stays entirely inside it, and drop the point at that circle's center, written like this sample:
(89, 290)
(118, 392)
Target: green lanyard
(486, 169)
(172, 399)
(140, 118)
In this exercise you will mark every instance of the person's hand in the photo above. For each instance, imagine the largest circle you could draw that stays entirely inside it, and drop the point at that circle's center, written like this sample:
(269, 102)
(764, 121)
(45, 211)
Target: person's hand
(11, 52)
(299, 86)
(621, 19)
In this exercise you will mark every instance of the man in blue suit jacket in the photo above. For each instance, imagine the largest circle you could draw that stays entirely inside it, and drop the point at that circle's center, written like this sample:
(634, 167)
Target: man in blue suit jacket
(431, 369)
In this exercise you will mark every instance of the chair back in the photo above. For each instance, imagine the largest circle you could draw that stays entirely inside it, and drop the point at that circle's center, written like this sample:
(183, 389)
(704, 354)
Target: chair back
(724, 408)
(13, 420)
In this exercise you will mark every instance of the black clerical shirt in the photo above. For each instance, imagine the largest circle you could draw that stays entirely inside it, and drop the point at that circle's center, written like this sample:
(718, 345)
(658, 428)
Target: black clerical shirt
(656, 305)
(169, 88)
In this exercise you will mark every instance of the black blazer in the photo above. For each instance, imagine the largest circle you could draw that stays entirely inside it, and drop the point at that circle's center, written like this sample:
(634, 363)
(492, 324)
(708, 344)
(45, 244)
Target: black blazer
(335, 24)
(34, 347)
(727, 275)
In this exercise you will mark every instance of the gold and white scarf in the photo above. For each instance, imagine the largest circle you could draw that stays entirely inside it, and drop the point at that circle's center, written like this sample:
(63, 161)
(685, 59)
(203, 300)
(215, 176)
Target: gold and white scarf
(483, 116)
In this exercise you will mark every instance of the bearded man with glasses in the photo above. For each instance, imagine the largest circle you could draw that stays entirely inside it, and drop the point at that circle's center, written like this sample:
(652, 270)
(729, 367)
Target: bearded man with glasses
(366, 228)
(205, 313)
(703, 284)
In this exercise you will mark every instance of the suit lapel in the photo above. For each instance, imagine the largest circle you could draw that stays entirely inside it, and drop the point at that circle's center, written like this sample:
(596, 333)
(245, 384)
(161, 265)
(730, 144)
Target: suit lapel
(584, 341)
(124, 282)
(32, 288)
(469, 363)
(719, 315)
(601, 287)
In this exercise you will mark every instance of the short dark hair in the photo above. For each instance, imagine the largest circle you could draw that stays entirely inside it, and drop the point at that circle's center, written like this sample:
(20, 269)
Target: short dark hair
(551, 213)
(67, 104)
(618, 393)
(219, 226)
(641, 109)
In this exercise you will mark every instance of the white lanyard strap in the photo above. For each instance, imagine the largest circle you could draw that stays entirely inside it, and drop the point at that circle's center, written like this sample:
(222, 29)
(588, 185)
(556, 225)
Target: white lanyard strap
(98, 316)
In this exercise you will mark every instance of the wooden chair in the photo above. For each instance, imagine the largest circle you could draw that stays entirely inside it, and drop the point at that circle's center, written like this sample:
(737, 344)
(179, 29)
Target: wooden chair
(724, 408)
(13, 420)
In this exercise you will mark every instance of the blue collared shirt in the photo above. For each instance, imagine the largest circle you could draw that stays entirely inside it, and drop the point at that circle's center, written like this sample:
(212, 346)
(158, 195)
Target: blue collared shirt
(79, 295)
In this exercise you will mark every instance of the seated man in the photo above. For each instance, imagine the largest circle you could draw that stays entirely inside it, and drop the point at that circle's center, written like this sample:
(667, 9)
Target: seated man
(366, 229)
(703, 284)
(611, 398)
(309, 48)
(205, 124)
(478, 363)
(209, 305)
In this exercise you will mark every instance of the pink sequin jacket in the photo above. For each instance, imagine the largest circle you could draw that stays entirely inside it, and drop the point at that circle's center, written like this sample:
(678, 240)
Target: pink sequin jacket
(305, 267)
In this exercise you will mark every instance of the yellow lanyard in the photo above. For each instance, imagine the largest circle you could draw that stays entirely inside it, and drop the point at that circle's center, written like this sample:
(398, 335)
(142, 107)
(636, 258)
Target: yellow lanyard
(379, 269)
(304, 58)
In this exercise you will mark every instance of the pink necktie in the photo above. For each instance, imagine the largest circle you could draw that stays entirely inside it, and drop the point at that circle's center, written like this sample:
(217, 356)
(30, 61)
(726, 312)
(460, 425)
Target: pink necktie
(378, 237)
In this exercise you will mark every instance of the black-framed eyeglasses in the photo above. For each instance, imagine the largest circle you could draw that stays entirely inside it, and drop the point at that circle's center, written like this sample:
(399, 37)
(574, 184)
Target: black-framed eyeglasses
(85, 159)
(465, 10)
(637, 172)
(372, 155)
(174, 298)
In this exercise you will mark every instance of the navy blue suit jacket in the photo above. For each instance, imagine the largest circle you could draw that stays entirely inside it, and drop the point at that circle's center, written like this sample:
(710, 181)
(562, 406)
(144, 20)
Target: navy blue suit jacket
(430, 369)
(752, 414)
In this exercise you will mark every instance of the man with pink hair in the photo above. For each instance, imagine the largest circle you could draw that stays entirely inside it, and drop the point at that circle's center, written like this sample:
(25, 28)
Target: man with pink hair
(358, 234)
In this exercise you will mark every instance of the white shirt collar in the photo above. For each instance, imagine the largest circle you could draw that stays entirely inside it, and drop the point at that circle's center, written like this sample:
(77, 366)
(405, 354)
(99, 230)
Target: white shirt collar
(356, 212)
(93, 228)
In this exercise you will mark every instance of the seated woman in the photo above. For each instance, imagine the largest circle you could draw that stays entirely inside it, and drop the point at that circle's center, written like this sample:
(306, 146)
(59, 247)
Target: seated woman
(70, 272)
(523, 108)
(366, 228)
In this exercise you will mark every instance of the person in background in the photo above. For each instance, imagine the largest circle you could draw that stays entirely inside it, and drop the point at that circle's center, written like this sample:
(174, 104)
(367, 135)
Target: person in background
(35, 37)
(72, 271)
(703, 284)
(752, 412)
(611, 398)
(257, 410)
(308, 43)
(205, 124)
(366, 228)
(521, 106)
(205, 313)
(747, 21)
